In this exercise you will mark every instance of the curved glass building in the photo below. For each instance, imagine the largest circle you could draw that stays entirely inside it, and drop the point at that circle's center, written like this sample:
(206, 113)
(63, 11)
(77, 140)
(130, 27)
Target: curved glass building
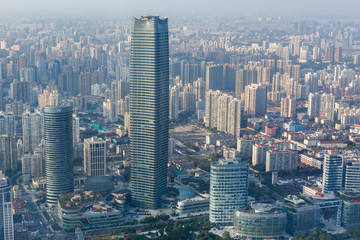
(58, 151)
(260, 221)
(149, 110)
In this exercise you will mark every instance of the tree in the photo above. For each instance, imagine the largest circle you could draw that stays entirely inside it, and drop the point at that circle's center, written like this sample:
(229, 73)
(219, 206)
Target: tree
(226, 235)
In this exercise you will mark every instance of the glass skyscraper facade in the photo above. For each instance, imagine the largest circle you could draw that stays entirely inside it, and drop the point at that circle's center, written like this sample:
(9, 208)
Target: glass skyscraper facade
(149, 110)
(58, 151)
(332, 172)
(228, 190)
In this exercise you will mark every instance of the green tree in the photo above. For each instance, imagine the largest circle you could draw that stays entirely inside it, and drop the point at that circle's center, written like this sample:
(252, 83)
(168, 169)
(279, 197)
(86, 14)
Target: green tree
(226, 235)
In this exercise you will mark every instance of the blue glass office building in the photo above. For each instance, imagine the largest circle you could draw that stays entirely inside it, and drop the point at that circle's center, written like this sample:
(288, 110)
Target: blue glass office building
(58, 152)
(149, 110)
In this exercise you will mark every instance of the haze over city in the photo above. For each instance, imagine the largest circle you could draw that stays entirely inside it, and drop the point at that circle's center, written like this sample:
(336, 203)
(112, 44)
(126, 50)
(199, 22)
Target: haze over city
(230, 8)
(177, 120)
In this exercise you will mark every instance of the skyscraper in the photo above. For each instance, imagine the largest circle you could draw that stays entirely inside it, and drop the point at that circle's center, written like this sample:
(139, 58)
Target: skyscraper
(58, 151)
(149, 110)
(6, 216)
(95, 156)
(228, 190)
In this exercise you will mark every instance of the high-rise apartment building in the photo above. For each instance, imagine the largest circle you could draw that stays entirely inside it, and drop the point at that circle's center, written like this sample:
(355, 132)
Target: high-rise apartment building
(338, 54)
(76, 129)
(245, 144)
(288, 107)
(17, 108)
(95, 156)
(327, 106)
(228, 190)
(20, 91)
(329, 53)
(259, 150)
(223, 112)
(109, 110)
(174, 103)
(34, 164)
(8, 152)
(332, 172)
(314, 105)
(214, 77)
(255, 100)
(199, 89)
(33, 130)
(49, 99)
(58, 151)
(187, 100)
(277, 160)
(321, 105)
(7, 123)
(149, 111)
(6, 216)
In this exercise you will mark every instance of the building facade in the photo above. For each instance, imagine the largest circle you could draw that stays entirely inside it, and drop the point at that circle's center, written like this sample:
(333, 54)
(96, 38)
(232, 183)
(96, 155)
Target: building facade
(228, 190)
(223, 112)
(6, 216)
(261, 221)
(277, 160)
(33, 130)
(95, 156)
(8, 152)
(332, 172)
(149, 110)
(255, 100)
(58, 151)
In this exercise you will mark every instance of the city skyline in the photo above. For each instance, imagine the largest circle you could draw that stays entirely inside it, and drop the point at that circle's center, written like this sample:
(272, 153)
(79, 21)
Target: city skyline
(172, 126)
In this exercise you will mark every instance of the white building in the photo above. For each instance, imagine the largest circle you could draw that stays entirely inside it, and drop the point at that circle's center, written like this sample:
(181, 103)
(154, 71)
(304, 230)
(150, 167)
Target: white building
(33, 130)
(6, 215)
(277, 160)
(223, 112)
(95, 156)
(228, 190)
(34, 164)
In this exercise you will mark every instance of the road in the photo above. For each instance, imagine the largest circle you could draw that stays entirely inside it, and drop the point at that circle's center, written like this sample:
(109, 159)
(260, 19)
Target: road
(103, 232)
(34, 211)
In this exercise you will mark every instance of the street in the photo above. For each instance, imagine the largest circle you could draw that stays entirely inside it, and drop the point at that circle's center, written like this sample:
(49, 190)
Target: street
(34, 212)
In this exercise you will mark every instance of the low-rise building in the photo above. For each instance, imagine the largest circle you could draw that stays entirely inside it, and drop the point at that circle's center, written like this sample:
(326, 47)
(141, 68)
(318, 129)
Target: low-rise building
(301, 216)
(85, 210)
(311, 161)
(245, 144)
(193, 205)
(350, 208)
(260, 221)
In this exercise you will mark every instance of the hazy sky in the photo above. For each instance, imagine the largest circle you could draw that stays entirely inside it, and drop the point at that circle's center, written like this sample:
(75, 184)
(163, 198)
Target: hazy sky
(113, 8)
